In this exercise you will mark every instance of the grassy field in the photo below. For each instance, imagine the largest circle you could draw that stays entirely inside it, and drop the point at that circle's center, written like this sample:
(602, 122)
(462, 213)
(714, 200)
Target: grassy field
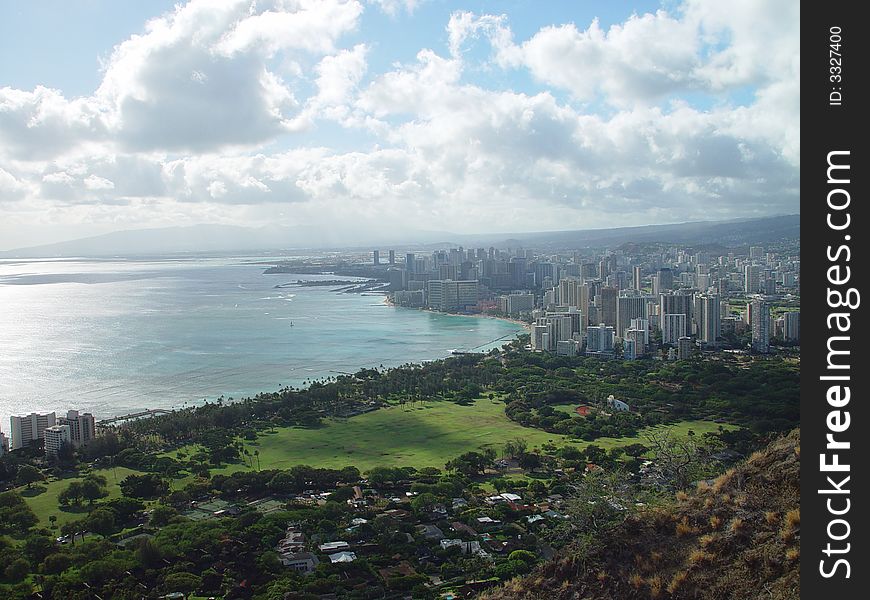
(422, 435)
(42, 498)
(426, 435)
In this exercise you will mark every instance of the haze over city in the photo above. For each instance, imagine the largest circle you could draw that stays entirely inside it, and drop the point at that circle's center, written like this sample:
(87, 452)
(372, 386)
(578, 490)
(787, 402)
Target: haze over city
(394, 115)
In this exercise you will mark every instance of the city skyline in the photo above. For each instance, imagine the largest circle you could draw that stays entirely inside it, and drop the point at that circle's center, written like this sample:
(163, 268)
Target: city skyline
(386, 115)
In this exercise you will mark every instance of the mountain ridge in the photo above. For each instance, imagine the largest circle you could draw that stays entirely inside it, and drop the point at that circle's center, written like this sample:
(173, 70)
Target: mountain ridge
(735, 537)
(205, 238)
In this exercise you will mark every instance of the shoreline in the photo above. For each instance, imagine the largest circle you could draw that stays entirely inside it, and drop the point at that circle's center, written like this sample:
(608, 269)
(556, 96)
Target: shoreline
(184, 396)
(527, 327)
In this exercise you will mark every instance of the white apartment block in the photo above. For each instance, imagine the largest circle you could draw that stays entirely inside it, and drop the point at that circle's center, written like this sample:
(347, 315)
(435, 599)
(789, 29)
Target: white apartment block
(24, 430)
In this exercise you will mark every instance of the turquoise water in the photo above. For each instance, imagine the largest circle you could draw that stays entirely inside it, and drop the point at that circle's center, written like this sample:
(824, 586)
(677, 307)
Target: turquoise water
(111, 337)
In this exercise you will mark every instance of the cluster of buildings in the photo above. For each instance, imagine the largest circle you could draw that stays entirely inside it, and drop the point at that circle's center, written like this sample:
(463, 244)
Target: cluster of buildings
(75, 429)
(626, 301)
(474, 525)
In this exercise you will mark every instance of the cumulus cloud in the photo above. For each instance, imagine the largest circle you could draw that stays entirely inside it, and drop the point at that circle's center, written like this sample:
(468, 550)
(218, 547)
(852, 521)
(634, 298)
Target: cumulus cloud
(199, 79)
(43, 123)
(197, 117)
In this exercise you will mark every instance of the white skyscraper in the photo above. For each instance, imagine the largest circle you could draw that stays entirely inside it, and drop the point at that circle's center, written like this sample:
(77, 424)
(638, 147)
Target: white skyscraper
(709, 319)
(55, 437)
(82, 427)
(24, 430)
(759, 322)
(636, 278)
(452, 295)
(643, 325)
(673, 327)
(599, 339)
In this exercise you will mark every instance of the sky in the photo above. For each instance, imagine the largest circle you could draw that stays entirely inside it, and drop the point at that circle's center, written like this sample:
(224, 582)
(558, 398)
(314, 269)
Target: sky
(424, 115)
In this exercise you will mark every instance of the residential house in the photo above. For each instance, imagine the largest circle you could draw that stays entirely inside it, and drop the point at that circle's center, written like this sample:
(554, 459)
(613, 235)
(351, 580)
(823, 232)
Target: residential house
(303, 562)
(342, 557)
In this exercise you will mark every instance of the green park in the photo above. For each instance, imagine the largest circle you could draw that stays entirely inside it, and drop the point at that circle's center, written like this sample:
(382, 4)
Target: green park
(420, 434)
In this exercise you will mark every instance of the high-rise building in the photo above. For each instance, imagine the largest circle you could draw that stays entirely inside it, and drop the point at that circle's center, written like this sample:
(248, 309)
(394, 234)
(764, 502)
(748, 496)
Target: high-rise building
(628, 308)
(25, 430)
(539, 338)
(756, 252)
(396, 277)
(599, 339)
(684, 348)
(410, 262)
(674, 303)
(620, 280)
(578, 322)
(607, 297)
(636, 278)
(447, 294)
(518, 269)
(566, 348)
(634, 343)
(588, 270)
(751, 279)
(563, 326)
(673, 327)
(446, 271)
(603, 268)
(55, 437)
(421, 266)
(666, 279)
(559, 327)
(82, 427)
(377, 257)
(392, 257)
(544, 270)
(629, 349)
(759, 323)
(709, 319)
(792, 326)
(514, 304)
(642, 325)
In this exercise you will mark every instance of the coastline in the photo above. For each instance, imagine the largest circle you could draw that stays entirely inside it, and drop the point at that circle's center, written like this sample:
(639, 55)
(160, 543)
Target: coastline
(199, 370)
(527, 327)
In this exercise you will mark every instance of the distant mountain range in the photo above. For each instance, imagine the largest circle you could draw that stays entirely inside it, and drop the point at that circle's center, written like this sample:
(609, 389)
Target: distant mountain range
(228, 238)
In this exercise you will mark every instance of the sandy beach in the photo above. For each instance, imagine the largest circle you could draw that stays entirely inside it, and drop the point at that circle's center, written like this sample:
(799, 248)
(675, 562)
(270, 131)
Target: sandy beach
(526, 326)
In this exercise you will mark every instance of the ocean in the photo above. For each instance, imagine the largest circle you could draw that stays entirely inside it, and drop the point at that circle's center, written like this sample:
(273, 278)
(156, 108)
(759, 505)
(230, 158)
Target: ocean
(112, 337)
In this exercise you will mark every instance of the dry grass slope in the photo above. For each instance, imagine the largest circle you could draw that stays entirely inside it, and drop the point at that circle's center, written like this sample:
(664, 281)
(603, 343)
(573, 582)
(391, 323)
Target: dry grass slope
(736, 538)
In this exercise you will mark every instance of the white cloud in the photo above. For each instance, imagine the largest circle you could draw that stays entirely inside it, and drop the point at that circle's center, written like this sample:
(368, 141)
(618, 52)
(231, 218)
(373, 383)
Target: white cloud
(338, 77)
(314, 26)
(43, 123)
(195, 120)
(95, 182)
(197, 80)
